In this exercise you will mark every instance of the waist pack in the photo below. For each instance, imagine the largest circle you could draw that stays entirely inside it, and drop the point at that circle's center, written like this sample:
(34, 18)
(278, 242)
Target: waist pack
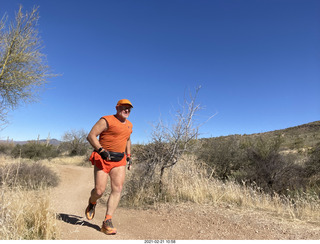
(115, 156)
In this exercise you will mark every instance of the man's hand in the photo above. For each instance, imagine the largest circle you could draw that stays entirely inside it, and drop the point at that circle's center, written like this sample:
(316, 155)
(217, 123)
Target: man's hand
(129, 161)
(105, 155)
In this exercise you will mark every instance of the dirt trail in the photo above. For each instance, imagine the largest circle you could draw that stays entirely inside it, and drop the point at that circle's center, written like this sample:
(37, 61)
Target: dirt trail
(168, 221)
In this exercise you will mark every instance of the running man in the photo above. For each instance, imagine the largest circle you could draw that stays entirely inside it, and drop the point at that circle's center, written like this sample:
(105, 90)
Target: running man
(110, 156)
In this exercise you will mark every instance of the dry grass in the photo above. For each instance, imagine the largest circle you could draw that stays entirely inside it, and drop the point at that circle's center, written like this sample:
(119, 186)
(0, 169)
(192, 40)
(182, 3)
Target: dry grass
(28, 175)
(25, 214)
(188, 181)
(68, 160)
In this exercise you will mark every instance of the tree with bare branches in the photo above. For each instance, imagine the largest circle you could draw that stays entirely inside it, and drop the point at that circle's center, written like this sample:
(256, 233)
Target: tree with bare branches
(170, 142)
(75, 142)
(23, 68)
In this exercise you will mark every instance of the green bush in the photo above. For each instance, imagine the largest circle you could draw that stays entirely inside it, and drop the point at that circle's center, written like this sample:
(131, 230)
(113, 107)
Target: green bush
(271, 170)
(257, 160)
(225, 156)
(35, 150)
(265, 162)
(313, 164)
(6, 148)
(313, 170)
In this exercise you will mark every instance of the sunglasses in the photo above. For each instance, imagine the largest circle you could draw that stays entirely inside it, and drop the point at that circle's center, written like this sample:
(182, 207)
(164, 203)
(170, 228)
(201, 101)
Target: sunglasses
(125, 108)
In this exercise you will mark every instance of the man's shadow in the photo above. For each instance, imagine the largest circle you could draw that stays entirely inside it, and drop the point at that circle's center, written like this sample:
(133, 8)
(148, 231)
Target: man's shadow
(76, 220)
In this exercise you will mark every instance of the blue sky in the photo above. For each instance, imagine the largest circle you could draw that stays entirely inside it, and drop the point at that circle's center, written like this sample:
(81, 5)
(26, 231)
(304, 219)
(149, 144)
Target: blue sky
(256, 60)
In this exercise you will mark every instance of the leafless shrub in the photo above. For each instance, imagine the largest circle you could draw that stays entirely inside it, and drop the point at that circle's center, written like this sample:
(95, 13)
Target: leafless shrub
(28, 175)
(75, 143)
(169, 143)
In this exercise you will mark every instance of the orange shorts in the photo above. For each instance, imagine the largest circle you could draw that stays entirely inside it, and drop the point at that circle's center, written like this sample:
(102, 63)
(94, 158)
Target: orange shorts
(105, 165)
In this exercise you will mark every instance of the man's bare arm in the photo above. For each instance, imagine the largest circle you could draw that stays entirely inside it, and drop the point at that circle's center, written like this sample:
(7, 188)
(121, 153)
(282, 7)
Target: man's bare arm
(128, 147)
(96, 130)
(128, 152)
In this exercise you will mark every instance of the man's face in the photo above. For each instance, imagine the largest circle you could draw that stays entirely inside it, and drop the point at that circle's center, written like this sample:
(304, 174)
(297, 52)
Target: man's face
(124, 111)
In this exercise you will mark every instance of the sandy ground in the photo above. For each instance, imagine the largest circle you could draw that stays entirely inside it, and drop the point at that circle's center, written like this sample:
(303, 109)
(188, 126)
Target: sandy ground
(166, 222)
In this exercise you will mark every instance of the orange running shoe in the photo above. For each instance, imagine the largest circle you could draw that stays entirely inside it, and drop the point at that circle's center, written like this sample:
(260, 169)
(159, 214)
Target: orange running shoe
(90, 210)
(107, 227)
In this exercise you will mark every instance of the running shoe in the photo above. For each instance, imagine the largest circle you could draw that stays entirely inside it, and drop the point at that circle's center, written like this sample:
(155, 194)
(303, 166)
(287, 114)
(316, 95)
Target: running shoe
(90, 210)
(107, 228)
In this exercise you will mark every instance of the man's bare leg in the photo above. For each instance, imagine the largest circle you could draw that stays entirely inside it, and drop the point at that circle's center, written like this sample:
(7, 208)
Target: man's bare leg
(117, 177)
(100, 183)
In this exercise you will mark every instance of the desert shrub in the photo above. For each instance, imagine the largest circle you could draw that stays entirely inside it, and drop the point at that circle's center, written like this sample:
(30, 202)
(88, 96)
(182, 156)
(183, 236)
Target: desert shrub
(271, 170)
(28, 175)
(149, 158)
(265, 162)
(169, 142)
(35, 150)
(257, 160)
(185, 181)
(224, 156)
(312, 170)
(313, 164)
(6, 148)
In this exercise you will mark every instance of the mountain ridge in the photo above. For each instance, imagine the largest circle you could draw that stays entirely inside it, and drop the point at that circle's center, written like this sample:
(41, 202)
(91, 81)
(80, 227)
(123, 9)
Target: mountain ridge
(54, 142)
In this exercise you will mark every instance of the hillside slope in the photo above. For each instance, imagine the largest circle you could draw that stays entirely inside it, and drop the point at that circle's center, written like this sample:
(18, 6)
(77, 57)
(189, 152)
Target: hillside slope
(297, 137)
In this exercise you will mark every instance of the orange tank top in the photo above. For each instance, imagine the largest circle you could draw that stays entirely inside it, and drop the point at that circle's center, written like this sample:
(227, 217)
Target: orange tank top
(115, 138)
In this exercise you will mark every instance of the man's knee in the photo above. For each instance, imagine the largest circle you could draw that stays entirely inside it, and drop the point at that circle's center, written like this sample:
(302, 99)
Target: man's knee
(117, 176)
(98, 192)
(117, 188)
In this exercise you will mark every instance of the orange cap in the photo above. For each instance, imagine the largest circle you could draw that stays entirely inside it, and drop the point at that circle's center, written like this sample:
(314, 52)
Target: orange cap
(124, 102)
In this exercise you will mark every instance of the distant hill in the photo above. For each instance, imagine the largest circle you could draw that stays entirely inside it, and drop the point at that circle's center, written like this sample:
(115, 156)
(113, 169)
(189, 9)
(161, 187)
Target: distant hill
(54, 142)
